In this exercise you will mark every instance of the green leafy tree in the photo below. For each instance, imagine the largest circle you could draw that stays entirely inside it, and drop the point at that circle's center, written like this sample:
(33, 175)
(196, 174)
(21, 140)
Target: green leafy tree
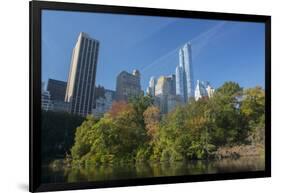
(140, 104)
(253, 110)
(173, 137)
(82, 144)
(229, 124)
(114, 138)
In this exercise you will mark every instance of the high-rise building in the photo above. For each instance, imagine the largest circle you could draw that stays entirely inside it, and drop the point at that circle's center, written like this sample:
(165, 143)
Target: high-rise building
(180, 80)
(57, 89)
(165, 85)
(172, 84)
(82, 74)
(128, 85)
(165, 92)
(151, 87)
(162, 86)
(184, 74)
(161, 93)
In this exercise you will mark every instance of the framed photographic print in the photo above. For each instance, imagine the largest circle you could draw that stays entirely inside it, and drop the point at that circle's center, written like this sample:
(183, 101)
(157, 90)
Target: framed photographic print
(124, 96)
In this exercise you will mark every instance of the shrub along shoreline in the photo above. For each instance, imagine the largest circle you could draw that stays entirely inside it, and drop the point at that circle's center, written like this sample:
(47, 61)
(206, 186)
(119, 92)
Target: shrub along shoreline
(221, 153)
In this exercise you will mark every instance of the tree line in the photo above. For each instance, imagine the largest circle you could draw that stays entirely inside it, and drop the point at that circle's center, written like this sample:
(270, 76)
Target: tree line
(135, 131)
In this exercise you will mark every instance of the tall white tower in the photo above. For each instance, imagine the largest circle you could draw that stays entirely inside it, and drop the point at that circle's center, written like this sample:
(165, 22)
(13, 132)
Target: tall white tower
(82, 75)
(184, 73)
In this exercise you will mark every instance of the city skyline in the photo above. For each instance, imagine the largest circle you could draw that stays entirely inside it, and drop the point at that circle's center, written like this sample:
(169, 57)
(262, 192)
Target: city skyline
(160, 60)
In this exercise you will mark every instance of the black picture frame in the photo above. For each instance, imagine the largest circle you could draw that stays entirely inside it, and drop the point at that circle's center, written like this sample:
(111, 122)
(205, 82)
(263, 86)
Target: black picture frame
(36, 7)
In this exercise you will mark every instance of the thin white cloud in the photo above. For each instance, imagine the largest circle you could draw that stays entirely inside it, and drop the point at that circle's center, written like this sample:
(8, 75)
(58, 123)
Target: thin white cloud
(202, 40)
(160, 59)
(198, 43)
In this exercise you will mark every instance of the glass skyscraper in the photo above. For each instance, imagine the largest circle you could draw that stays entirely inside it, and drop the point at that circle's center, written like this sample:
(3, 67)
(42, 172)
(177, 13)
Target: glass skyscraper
(82, 75)
(180, 90)
(184, 74)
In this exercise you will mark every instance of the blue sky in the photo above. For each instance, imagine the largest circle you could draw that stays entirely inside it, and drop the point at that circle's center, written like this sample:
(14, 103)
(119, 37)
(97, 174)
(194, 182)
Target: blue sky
(221, 50)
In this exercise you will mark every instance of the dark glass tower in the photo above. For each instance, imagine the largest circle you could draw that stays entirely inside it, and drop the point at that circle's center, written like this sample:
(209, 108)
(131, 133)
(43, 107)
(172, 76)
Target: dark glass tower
(57, 89)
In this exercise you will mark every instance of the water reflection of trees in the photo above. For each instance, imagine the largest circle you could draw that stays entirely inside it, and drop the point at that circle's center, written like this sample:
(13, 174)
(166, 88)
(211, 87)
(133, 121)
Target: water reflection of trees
(144, 170)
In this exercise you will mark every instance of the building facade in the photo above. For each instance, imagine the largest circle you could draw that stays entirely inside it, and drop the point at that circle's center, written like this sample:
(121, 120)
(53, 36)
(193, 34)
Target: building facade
(82, 74)
(184, 74)
(165, 93)
(128, 85)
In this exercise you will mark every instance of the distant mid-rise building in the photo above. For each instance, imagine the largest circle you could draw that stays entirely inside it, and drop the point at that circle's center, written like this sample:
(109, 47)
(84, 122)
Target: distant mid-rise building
(165, 93)
(57, 89)
(200, 90)
(46, 103)
(82, 75)
(151, 88)
(165, 85)
(128, 85)
(162, 87)
(60, 106)
(210, 90)
(203, 90)
(172, 102)
(184, 74)
(99, 93)
(103, 103)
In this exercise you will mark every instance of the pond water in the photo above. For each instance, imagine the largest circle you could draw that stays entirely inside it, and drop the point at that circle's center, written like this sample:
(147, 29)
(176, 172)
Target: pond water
(129, 171)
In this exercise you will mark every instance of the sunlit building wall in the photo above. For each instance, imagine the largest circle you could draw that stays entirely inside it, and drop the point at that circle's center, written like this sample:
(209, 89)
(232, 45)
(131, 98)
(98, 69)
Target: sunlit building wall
(82, 75)
(128, 85)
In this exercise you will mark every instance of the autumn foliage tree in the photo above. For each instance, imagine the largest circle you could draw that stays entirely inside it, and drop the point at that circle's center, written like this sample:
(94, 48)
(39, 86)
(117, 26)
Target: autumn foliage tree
(117, 108)
(152, 121)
